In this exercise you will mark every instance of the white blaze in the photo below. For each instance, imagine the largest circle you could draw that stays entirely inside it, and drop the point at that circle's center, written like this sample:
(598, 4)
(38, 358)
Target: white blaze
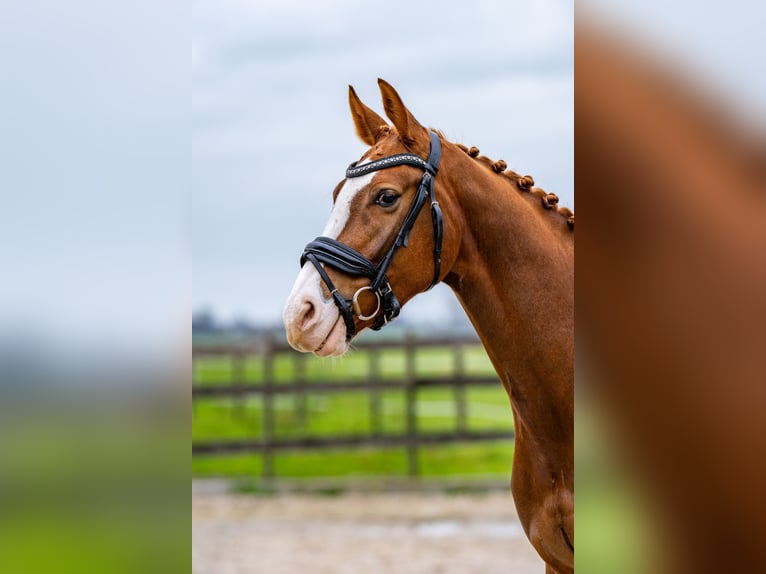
(342, 208)
(308, 287)
(309, 282)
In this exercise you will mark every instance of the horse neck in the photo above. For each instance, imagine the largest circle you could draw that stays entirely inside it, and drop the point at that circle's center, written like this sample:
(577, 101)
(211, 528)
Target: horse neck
(514, 276)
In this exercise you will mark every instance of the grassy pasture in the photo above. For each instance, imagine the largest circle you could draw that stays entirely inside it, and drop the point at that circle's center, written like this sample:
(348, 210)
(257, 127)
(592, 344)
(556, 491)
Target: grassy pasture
(345, 413)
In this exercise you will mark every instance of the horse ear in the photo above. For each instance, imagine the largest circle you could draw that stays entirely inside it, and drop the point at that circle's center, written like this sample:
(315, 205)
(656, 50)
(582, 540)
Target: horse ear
(367, 122)
(410, 130)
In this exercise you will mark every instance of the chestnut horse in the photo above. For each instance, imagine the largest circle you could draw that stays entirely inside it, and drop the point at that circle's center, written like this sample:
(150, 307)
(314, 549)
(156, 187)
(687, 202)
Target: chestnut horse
(506, 250)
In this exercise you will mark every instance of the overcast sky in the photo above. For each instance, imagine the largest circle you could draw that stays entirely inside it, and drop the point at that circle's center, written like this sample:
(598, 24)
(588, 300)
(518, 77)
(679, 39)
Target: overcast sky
(97, 172)
(272, 134)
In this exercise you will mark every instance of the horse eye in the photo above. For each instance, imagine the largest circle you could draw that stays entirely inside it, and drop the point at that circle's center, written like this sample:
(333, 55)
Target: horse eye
(386, 198)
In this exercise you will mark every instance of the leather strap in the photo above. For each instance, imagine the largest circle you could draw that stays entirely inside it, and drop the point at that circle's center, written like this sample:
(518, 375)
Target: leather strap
(342, 304)
(392, 160)
(340, 256)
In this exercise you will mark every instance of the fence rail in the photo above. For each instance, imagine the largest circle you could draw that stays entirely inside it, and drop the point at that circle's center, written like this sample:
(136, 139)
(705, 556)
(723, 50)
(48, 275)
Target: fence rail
(374, 384)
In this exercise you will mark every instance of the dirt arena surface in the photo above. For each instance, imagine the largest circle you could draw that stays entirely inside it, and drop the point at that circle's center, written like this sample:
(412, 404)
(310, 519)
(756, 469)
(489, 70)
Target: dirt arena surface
(367, 533)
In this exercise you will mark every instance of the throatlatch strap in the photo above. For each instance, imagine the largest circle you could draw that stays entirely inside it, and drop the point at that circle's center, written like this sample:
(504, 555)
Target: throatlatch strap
(434, 158)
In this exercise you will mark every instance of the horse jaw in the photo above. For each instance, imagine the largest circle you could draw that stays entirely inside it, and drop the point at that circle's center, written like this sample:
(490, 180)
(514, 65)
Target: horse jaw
(312, 323)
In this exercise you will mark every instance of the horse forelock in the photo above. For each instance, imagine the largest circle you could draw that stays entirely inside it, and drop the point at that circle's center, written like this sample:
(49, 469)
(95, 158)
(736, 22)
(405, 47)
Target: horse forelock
(383, 131)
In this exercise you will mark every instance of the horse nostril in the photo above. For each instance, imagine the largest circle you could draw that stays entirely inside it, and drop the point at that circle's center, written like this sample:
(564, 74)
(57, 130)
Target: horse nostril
(307, 313)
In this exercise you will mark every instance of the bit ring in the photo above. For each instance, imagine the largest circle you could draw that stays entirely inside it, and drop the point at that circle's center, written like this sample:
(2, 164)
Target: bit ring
(358, 309)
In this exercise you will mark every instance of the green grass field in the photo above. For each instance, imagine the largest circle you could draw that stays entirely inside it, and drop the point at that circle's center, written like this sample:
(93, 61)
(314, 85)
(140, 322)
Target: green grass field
(349, 413)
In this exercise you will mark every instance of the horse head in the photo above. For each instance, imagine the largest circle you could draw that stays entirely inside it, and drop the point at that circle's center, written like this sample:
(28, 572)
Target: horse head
(383, 243)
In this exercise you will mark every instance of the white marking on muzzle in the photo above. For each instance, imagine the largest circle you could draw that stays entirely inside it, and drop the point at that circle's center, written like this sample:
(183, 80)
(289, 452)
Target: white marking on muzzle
(308, 284)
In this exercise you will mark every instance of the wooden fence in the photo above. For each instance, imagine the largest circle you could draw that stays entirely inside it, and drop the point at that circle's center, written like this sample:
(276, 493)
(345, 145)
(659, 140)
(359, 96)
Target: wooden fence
(267, 444)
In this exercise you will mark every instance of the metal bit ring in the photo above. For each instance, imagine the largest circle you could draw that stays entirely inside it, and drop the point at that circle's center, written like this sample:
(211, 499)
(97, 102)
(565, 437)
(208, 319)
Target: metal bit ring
(358, 309)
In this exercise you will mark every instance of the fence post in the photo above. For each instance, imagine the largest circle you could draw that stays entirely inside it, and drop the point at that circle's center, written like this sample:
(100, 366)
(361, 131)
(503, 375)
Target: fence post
(299, 401)
(238, 377)
(373, 376)
(461, 413)
(413, 467)
(267, 471)
(196, 379)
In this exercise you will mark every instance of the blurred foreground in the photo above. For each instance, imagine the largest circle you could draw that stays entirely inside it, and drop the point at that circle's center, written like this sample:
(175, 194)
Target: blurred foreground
(671, 313)
(93, 479)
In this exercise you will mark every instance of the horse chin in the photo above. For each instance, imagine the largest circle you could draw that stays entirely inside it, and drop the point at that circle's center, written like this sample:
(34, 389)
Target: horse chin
(334, 345)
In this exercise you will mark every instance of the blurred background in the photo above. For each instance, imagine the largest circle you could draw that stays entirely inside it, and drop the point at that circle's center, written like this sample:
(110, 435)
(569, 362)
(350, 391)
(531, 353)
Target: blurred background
(95, 286)
(416, 407)
(100, 213)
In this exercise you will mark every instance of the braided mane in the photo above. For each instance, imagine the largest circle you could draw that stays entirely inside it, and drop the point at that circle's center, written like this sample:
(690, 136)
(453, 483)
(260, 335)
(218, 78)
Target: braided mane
(522, 182)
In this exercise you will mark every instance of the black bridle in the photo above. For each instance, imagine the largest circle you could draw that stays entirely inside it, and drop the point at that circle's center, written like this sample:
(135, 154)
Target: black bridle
(328, 251)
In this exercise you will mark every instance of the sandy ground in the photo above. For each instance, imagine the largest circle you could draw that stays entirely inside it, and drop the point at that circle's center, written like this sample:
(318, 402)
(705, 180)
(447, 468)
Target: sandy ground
(418, 533)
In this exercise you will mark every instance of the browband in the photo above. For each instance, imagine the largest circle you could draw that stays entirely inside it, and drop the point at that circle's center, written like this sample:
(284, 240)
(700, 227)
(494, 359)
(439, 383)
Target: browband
(393, 160)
